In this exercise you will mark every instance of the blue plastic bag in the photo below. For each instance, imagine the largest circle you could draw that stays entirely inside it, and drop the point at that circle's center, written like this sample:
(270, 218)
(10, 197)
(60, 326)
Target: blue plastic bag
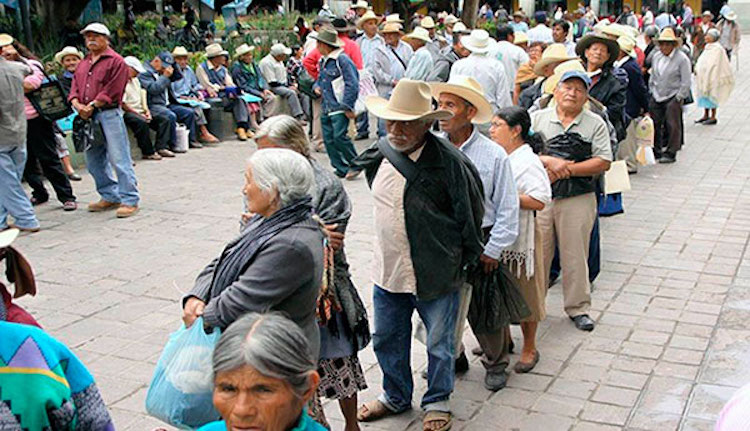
(181, 390)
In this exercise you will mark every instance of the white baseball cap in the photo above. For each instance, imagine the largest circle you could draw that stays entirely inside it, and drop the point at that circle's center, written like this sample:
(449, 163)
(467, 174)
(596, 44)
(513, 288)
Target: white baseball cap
(279, 49)
(96, 27)
(135, 64)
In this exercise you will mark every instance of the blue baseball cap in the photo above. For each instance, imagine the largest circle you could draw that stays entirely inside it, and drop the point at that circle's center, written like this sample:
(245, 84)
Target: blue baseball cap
(166, 58)
(576, 74)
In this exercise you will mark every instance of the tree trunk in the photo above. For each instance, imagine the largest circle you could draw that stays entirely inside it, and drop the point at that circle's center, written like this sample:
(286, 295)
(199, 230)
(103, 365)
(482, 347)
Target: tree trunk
(469, 14)
(53, 14)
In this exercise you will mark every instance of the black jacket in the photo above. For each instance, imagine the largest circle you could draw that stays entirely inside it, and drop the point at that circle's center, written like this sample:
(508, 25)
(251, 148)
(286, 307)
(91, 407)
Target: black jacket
(612, 93)
(637, 94)
(444, 207)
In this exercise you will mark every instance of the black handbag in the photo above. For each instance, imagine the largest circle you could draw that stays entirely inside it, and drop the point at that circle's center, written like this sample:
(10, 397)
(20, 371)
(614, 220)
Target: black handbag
(571, 146)
(306, 82)
(50, 100)
(496, 300)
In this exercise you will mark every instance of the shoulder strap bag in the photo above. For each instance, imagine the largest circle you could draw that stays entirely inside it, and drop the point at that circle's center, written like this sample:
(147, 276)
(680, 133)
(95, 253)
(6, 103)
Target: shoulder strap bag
(50, 100)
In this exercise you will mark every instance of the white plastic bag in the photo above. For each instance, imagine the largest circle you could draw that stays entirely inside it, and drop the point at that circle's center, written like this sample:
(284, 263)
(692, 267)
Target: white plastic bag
(181, 391)
(182, 138)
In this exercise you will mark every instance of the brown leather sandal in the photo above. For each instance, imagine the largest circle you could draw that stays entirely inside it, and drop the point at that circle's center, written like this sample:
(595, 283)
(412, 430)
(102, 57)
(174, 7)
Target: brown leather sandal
(433, 416)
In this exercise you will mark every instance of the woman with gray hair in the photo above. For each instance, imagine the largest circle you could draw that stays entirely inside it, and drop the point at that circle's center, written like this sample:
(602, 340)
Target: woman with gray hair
(714, 79)
(276, 264)
(264, 375)
(346, 331)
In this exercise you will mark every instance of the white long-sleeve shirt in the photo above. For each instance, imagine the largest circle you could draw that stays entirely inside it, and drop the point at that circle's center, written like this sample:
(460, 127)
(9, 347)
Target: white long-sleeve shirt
(490, 74)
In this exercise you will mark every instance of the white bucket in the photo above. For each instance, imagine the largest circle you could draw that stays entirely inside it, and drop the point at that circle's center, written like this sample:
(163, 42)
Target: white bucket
(182, 138)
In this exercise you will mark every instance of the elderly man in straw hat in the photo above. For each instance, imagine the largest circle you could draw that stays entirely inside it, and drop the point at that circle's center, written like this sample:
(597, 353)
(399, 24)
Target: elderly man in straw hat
(338, 104)
(433, 45)
(96, 93)
(369, 43)
(568, 221)
(215, 78)
(421, 63)
(13, 198)
(274, 71)
(463, 97)
(390, 63)
(636, 103)
(246, 74)
(670, 85)
(449, 22)
(552, 56)
(443, 65)
(487, 70)
(188, 88)
(418, 180)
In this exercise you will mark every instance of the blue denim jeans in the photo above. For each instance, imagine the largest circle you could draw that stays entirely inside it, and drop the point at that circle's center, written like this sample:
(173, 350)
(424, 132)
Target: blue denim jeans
(338, 144)
(13, 199)
(392, 345)
(114, 152)
(363, 124)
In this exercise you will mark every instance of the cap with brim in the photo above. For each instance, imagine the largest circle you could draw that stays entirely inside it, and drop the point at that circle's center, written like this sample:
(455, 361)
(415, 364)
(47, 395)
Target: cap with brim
(520, 37)
(555, 53)
(5, 39)
(243, 49)
(468, 89)
(592, 38)
(180, 51)
(667, 35)
(368, 16)
(166, 58)
(96, 27)
(329, 37)
(419, 33)
(410, 100)
(427, 22)
(391, 27)
(215, 50)
(478, 41)
(7, 237)
(575, 74)
(68, 50)
(134, 63)
(281, 49)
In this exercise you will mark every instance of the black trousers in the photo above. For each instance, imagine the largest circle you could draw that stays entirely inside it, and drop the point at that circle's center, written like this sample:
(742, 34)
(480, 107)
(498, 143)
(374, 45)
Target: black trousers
(668, 133)
(141, 128)
(42, 152)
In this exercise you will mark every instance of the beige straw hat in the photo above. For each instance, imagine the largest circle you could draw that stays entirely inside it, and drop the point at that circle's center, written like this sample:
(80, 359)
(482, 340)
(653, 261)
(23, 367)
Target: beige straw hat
(568, 66)
(391, 27)
(215, 50)
(468, 89)
(427, 22)
(180, 51)
(5, 39)
(667, 35)
(242, 50)
(393, 18)
(68, 50)
(8, 236)
(411, 100)
(555, 53)
(419, 33)
(369, 15)
(478, 41)
(519, 38)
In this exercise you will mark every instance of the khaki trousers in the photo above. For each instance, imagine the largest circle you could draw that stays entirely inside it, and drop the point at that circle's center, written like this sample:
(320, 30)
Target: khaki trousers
(317, 129)
(568, 222)
(628, 148)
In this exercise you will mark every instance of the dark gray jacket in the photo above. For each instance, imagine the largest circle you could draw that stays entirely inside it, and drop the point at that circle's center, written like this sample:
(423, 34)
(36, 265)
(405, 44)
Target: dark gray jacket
(12, 117)
(284, 276)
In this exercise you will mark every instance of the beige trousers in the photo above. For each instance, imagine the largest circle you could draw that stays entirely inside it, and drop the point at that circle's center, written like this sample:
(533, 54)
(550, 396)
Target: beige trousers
(317, 129)
(568, 222)
(627, 149)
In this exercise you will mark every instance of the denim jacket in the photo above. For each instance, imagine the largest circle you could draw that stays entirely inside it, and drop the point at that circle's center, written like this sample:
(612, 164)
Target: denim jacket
(337, 64)
(157, 86)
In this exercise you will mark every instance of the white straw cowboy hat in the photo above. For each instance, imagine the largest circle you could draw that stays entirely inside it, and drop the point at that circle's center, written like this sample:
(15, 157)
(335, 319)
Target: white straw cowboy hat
(5, 39)
(329, 37)
(616, 30)
(180, 51)
(393, 18)
(731, 16)
(460, 29)
(215, 50)
(477, 41)
(427, 22)
(411, 100)
(369, 15)
(519, 38)
(627, 45)
(667, 35)
(68, 50)
(8, 236)
(419, 33)
(568, 66)
(555, 53)
(450, 20)
(361, 4)
(242, 50)
(98, 28)
(391, 27)
(468, 89)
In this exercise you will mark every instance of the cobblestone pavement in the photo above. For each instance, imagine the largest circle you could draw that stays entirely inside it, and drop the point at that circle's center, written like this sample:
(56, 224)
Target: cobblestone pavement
(672, 301)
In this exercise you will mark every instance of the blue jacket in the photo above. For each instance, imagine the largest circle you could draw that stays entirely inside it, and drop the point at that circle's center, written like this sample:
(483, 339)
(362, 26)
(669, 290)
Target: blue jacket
(248, 78)
(335, 65)
(156, 86)
(187, 86)
(637, 96)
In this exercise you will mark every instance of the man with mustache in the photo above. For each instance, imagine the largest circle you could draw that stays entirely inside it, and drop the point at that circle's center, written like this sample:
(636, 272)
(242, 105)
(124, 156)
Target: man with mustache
(429, 206)
(96, 93)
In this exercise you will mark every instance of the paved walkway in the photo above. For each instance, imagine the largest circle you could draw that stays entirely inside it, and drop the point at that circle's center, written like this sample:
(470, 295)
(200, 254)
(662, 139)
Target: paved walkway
(672, 302)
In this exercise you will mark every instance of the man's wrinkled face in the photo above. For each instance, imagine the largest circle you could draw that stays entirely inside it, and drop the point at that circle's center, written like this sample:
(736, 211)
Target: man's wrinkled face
(406, 136)
(95, 42)
(571, 95)
(370, 27)
(181, 61)
(597, 54)
(392, 38)
(666, 48)
(462, 111)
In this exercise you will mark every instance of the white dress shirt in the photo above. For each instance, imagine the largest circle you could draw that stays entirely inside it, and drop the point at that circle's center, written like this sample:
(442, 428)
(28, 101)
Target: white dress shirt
(512, 56)
(540, 33)
(490, 74)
